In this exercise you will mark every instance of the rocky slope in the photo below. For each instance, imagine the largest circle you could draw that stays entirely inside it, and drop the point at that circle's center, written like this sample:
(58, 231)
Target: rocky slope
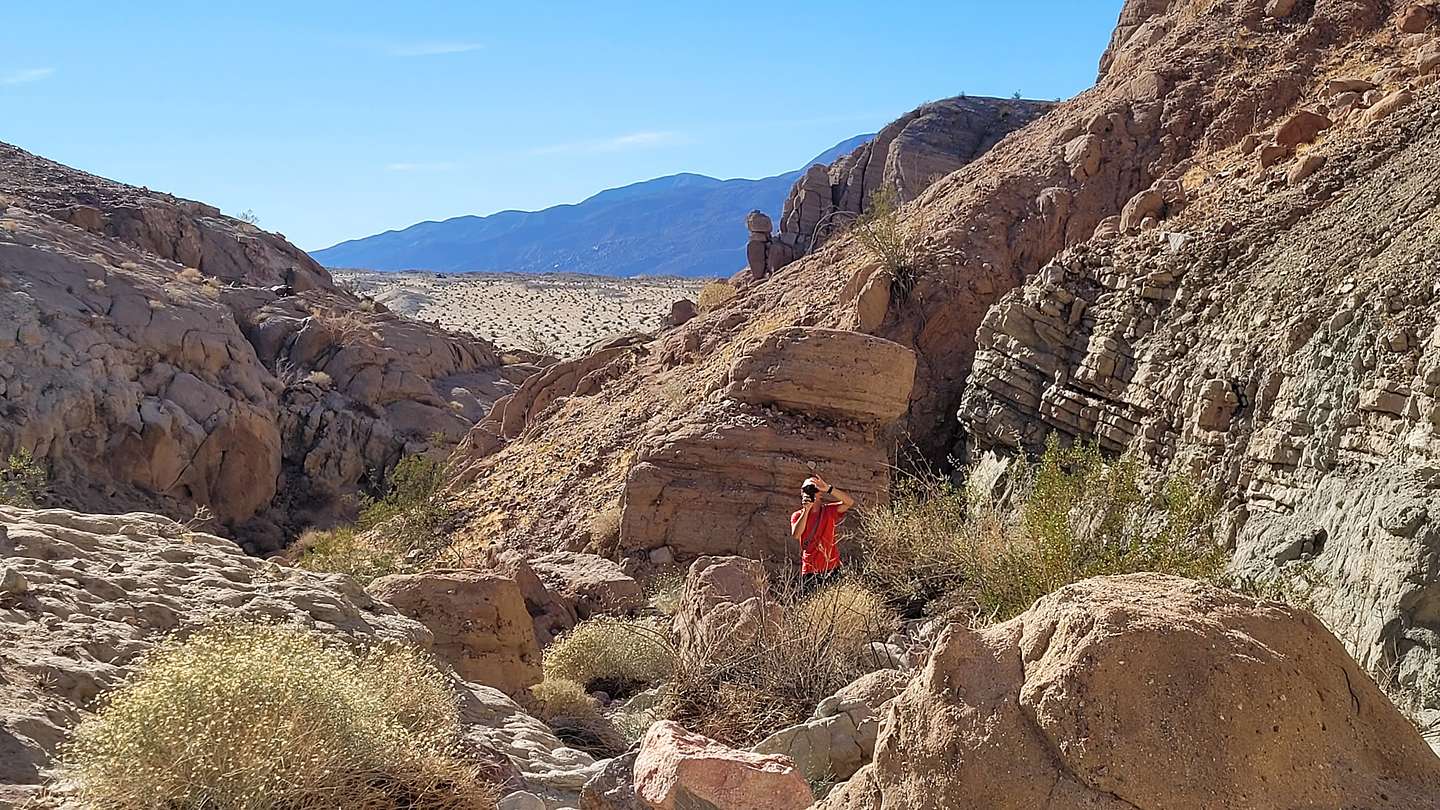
(156, 354)
(1209, 120)
(680, 225)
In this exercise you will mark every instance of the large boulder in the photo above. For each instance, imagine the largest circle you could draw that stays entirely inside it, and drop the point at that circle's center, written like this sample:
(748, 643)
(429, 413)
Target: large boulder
(677, 770)
(826, 372)
(840, 738)
(479, 620)
(725, 605)
(1145, 691)
(592, 583)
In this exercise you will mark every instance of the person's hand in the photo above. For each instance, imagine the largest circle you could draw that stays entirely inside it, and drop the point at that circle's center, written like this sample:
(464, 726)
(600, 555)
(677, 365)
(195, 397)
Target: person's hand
(819, 482)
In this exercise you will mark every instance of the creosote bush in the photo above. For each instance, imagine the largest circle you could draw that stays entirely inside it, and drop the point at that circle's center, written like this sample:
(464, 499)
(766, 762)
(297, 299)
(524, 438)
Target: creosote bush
(1083, 516)
(618, 657)
(714, 295)
(23, 481)
(407, 529)
(576, 718)
(253, 716)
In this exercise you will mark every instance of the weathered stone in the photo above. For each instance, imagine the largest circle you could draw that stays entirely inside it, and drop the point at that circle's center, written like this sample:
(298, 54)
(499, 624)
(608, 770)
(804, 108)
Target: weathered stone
(675, 769)
(1144, 691)
(826, 372)
(1300, 128)
(594, 584)
(479, 622)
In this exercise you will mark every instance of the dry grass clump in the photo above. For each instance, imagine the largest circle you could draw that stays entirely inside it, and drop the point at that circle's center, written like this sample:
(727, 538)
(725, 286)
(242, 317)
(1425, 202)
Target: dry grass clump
(347, 327)
(896, 244)
(714, 295)
(605, 531)
(618, 657)
(576, 718)
(1084, 516)
(667, 591)
(265, 716)
(772, 679)
(404, 530)
(190, 275)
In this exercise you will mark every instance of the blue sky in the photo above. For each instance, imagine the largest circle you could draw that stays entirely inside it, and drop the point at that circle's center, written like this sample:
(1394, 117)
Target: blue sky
(332, 120)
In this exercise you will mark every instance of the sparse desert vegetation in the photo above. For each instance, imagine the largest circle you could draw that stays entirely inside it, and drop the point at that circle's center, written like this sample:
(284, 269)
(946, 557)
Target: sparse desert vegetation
(549, 314)
(259, 716)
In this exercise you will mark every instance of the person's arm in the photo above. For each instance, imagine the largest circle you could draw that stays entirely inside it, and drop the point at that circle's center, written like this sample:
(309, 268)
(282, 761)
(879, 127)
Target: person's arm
(797, 529)
(838, 494)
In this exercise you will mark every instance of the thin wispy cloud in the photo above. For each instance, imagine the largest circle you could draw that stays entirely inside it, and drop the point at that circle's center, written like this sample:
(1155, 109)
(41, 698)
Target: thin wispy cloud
(433, 48)
(620, 143)
(433, 166)
(25, 75)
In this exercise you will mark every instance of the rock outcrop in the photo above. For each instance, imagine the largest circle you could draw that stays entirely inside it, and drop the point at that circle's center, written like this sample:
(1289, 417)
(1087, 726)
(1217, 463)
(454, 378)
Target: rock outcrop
(826, 372)
(1273, 342)
(675, 769)
(840, 738)
(157, 355)
(1144, 691)
(905, 157)
(725, 605)
(479, 622)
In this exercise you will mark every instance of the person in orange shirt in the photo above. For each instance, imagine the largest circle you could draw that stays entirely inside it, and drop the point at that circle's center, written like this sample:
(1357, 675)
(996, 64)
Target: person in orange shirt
(813, 527)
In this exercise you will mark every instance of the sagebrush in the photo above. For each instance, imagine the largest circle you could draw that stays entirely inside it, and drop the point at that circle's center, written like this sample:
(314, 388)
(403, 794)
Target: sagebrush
(714, 295)
(253, 716)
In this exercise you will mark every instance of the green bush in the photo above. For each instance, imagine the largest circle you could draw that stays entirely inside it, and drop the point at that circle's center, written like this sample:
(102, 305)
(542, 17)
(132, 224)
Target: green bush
(269, 716)
(1083, 516)
(618, 657)
(23, 481)
(406, 529)
(896, 245)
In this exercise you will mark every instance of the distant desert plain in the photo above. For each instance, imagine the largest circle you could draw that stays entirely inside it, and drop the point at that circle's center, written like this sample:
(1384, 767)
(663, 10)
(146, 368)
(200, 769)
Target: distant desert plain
(557, 314)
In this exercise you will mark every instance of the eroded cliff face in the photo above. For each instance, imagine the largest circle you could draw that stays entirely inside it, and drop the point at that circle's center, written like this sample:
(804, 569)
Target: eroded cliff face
(1278, 339)
(157, 355)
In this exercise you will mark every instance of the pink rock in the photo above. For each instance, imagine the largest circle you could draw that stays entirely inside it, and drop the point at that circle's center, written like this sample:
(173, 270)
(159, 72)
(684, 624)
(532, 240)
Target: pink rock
(675, 768)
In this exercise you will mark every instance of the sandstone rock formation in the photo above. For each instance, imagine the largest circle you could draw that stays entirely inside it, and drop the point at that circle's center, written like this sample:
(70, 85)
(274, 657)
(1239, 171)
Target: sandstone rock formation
(675, 769)
(841, 736)
(906, 156)
(798, 369)
(89, 594)
(1254, 313)
(1144, 691)
(479, 622)
(155, 354)
(1278, 347)
(725, 604)
(592, 584)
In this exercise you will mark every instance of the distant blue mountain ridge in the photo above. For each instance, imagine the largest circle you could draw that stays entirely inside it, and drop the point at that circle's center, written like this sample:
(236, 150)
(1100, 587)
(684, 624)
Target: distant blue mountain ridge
(680, 225)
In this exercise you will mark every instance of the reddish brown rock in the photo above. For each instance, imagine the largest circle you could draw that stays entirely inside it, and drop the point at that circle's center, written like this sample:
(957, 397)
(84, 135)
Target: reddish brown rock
(1301, 127)
(479, 621)
(1415, 19)
(1148, 692)
(726, 604)
(676, 770)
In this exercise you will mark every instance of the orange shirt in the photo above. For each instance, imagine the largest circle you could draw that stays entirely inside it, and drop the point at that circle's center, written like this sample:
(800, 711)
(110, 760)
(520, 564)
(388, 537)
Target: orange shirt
(817, 545)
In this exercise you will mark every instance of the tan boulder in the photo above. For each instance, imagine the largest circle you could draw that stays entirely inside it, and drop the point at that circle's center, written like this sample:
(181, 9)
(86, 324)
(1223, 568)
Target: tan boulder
(1389, 104)
(677, 770)
(1145, 691)
(592, 583)
(1279, 9)
(1415, 19)
(826, 372)
(479, 621)
(840, 738)
(725, 605)
(1428, 59)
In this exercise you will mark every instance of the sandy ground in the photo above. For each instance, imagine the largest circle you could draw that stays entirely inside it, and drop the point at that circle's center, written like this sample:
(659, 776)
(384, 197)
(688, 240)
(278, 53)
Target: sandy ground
(558, 314)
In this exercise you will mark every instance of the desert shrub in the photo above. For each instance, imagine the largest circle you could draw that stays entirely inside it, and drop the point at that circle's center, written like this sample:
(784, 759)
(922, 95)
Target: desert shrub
(889, 240)
(605, 531)
(1083, 516)
(615, 656)
(576, 718)
(346, 327)
(761, 683)
(22, 480)
(248, 216)
(265, 716)
(666, 592)
(714, 295)
(405, 529)
(191, 275)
